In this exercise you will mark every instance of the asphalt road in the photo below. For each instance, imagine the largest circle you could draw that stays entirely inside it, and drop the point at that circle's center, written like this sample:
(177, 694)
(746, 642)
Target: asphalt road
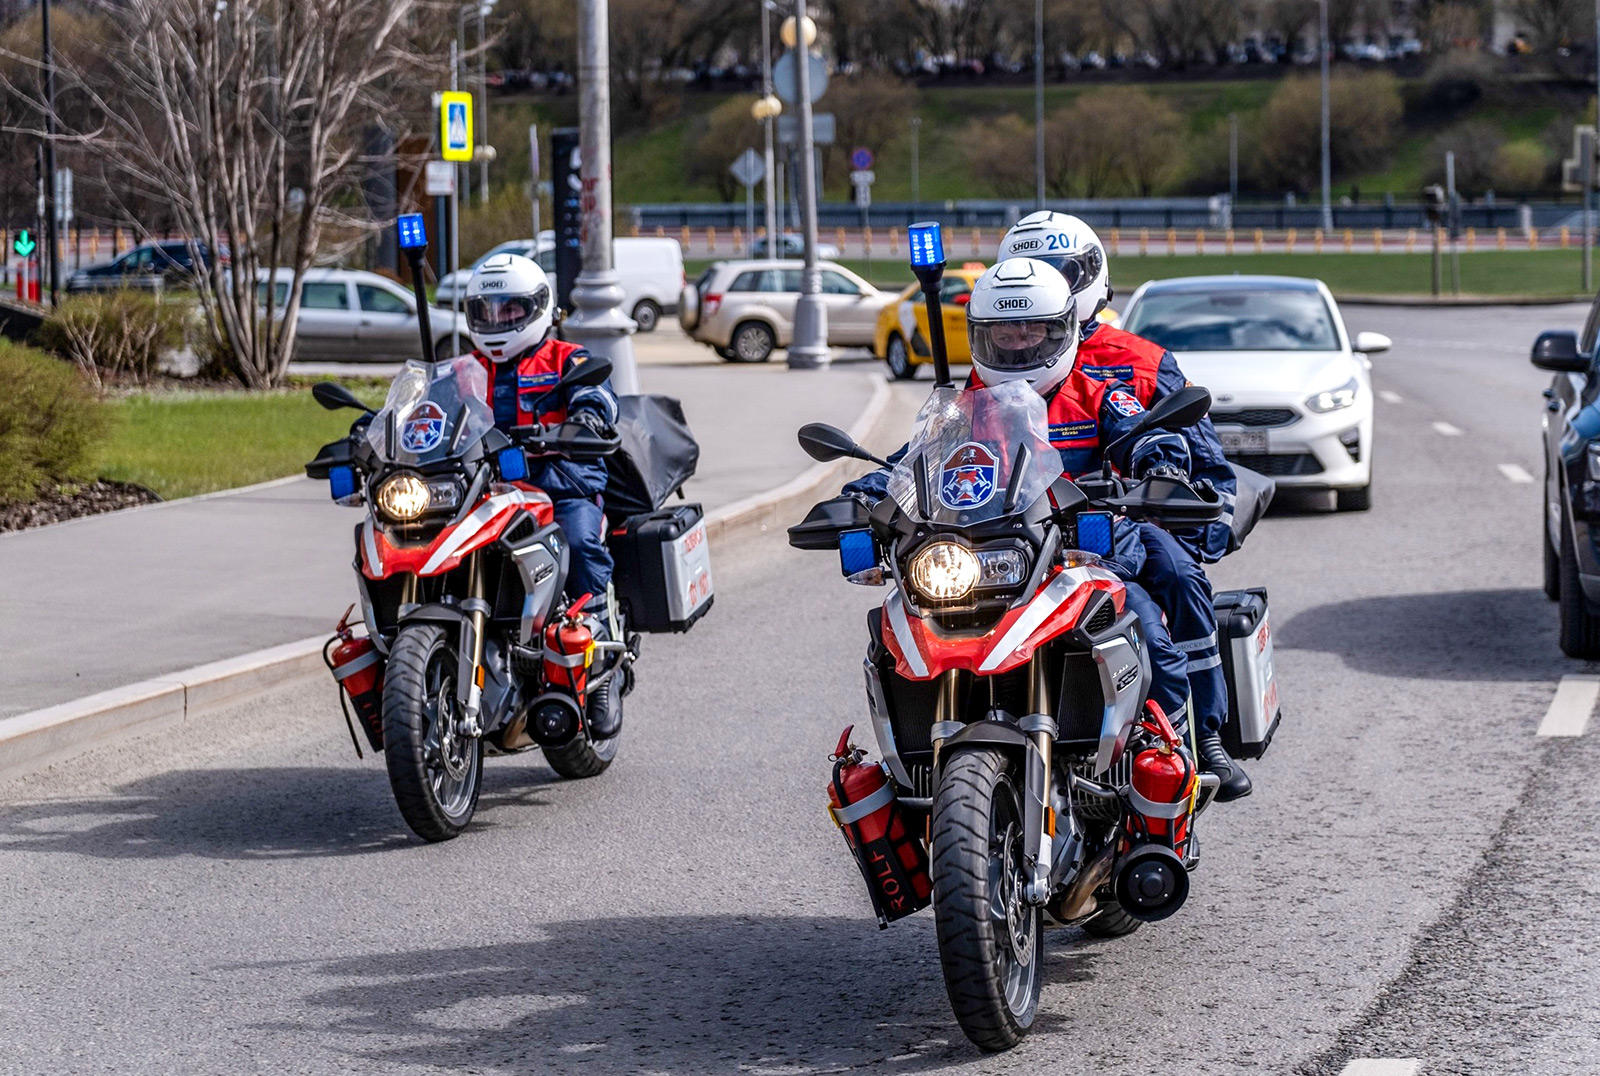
(1414, 877)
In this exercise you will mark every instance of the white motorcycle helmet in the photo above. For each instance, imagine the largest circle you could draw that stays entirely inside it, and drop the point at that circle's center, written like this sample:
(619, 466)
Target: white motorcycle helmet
(1022, 325)
(1070, 246)
(509, 308)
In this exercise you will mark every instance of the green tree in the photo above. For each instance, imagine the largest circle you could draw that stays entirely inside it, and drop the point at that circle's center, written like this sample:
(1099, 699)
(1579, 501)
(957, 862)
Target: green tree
(1365, 115)
(713, 141)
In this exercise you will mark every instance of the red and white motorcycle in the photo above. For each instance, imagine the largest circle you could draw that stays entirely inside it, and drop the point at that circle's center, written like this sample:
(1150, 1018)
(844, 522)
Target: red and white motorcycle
(1007, 685)
(470, 643)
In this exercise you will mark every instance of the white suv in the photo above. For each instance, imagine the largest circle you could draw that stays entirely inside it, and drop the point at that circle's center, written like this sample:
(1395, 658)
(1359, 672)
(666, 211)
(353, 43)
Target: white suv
(745, 309)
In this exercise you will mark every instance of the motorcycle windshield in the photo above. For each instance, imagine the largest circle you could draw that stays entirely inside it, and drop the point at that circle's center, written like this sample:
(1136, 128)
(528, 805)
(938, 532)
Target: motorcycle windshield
(976, 452)
(432, 412)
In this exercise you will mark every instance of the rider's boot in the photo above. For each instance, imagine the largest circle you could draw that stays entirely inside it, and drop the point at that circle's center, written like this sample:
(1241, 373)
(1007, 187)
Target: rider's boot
(1214, 758)
(604, 709)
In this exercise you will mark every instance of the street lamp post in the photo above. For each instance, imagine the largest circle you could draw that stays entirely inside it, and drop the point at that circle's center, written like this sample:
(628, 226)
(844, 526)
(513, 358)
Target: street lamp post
(916, 128)
(809, 349)
(768, 120)
(1038, 104)
(598, 321)
(1327, 166)
(483, 105)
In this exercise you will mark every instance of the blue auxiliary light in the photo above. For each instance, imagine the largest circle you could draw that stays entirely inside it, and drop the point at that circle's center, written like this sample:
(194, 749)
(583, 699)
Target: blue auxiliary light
(857, 552)
(513, 464)
(1094, 533)
(926, 241)
(413, 232)
(341, 482)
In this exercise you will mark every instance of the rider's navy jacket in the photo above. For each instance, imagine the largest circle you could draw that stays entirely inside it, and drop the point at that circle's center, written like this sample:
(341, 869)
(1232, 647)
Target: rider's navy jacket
(517, 395)
(1107, 353)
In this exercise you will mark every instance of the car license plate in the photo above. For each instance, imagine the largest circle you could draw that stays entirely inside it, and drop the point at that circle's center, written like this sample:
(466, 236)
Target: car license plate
(1236, 440)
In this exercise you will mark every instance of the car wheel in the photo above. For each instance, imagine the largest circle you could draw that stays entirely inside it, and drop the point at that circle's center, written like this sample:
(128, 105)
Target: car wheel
(1580, 629)
(898, 357)
(646, 314)
(1354, 500)
(753, 341)
(1552, 559)
(727, 354)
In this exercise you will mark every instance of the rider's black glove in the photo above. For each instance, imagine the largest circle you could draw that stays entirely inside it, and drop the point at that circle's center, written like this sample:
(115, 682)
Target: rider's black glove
(592, 421)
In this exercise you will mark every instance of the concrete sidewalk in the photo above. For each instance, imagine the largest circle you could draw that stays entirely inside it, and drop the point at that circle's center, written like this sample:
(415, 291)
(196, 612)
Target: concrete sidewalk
(97, 603)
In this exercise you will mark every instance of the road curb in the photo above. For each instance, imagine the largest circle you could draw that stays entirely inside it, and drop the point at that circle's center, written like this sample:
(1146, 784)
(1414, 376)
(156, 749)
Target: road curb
(41, 738)
(32, 741)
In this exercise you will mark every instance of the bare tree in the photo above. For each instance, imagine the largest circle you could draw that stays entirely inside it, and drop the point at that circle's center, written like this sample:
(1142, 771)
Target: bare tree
(248, 119)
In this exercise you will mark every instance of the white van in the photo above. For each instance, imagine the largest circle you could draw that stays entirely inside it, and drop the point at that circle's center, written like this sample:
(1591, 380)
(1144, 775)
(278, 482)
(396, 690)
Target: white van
(651, 270)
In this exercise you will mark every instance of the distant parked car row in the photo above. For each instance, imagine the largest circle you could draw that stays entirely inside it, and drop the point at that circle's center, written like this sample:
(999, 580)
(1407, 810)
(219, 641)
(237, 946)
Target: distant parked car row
(146, 267)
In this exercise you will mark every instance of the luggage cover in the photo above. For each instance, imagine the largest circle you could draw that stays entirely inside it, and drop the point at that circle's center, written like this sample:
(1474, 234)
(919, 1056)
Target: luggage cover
(658, 454)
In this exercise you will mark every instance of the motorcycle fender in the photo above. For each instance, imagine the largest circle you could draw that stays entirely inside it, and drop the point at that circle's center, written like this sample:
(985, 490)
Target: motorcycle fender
(434, 613)
(1009, 737)
(1124, 668)
(986, 734)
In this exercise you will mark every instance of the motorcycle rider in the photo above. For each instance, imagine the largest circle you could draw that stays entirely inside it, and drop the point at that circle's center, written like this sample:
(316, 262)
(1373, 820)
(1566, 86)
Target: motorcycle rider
(1171, 573)
(1022, 325)
(511, 320)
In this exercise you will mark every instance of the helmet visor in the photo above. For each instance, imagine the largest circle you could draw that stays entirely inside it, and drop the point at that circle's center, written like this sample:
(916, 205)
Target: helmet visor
(1022, 345)
(1080, 267)
(506, 313)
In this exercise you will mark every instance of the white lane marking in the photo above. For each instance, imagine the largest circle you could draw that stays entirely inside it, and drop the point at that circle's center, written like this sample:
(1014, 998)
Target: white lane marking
(1381, 1066)
(1447, 429)
(1514, 473)
(1390, 397)
(1570, 709)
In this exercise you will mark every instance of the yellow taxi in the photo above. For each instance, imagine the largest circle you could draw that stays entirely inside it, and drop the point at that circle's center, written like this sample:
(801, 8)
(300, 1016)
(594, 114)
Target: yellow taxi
(901, 336)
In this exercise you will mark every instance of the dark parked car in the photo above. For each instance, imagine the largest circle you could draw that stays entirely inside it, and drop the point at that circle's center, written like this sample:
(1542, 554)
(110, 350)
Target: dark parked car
(1572, 482)
(145, 267)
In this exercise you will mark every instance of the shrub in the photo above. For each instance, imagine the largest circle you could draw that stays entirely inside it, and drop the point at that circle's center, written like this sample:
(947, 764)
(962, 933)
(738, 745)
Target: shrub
(120, 335)
(1477, 145)
(1521, 167)
(1364, 111)
(50, 426)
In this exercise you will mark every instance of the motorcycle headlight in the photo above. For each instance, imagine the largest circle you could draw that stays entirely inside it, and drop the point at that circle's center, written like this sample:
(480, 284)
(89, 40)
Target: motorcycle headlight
(1001, 568)
(403, 497)
(944, 572)
(1334, 399)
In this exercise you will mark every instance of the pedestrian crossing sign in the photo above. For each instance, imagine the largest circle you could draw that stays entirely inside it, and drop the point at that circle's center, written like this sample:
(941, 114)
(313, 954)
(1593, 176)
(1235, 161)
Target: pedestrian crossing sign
(455, 126)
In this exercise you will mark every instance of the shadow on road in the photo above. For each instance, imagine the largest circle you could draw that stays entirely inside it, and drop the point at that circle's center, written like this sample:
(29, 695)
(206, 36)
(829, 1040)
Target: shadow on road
(683, 994)
(279, 813)
(1505, 635)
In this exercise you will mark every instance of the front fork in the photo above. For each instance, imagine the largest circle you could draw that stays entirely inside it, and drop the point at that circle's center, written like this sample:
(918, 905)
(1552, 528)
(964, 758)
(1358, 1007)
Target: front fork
(469, 659)
(1039, 823)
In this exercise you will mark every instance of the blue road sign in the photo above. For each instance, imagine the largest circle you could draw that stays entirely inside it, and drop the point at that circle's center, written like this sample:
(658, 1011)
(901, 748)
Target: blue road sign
(861, 158)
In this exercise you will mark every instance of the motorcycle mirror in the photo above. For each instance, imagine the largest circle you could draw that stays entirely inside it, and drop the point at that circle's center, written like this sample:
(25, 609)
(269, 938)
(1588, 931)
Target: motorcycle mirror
(825, 444)
(591, 371)
(333, 396)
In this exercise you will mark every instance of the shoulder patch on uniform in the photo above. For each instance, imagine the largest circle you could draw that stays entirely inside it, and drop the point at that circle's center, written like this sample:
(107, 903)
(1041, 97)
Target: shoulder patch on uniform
(1124, 403)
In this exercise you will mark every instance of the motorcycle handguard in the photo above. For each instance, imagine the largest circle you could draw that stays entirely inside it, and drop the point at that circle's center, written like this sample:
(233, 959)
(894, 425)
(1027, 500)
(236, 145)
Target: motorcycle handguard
(827, 520)
(1165, 499)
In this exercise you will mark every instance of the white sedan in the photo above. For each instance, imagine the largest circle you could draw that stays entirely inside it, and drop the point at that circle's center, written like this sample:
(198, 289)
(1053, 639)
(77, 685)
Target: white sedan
(1291, 393)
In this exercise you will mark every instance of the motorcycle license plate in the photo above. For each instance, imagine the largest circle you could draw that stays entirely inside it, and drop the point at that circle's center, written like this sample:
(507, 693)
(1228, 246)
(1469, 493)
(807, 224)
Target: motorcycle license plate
(1235, 440)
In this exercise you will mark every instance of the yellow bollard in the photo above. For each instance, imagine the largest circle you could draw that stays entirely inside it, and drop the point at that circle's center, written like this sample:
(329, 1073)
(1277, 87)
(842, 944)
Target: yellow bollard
(1565, 237)
(838, 240)
(738, 239)
(1227, 239)
(685, 239)
(1533, 239)
(894, 242)
(1199, 241)
(1116, 242)
(1261, 241)
(1500, 238)
(1377, 240)
(866, 240)
(661, 233)
(1288, 241)
(1172, 240)
(977, 241)
(1316, 240)
(1472, 240)
(1144, 240)
(1349, 241)
(711, 240)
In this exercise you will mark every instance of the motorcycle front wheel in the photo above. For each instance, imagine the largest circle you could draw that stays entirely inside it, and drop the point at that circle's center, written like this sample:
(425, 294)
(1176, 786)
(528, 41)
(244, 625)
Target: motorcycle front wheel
(435, 772)
(991, 941)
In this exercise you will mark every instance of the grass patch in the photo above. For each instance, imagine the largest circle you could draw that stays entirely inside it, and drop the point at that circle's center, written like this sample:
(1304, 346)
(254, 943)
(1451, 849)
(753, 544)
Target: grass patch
(1500, 273)
(184, 443)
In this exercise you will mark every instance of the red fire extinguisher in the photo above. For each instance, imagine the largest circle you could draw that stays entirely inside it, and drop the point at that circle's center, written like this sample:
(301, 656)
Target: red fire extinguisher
(358, 667)
(1163, 786)
(892, 860)
(569, 650)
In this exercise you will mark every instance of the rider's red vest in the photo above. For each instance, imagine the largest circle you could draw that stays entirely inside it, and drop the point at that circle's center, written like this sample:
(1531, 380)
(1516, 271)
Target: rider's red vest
(1114, 355)
(1074, 416)
(536, 372)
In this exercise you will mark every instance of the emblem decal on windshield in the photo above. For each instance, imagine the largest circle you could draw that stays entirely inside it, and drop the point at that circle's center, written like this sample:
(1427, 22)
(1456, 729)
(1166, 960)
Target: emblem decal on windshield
(968, 477)
(423, 428)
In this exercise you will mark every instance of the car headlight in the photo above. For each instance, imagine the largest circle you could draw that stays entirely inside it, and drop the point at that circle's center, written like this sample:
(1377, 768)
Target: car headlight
(1334, 399)
(403, 497)
(944, 572)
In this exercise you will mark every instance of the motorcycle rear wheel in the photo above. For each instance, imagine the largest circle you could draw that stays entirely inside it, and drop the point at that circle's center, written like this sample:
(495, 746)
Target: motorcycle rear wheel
(991, 943)
(584, 757)
(436, 775)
